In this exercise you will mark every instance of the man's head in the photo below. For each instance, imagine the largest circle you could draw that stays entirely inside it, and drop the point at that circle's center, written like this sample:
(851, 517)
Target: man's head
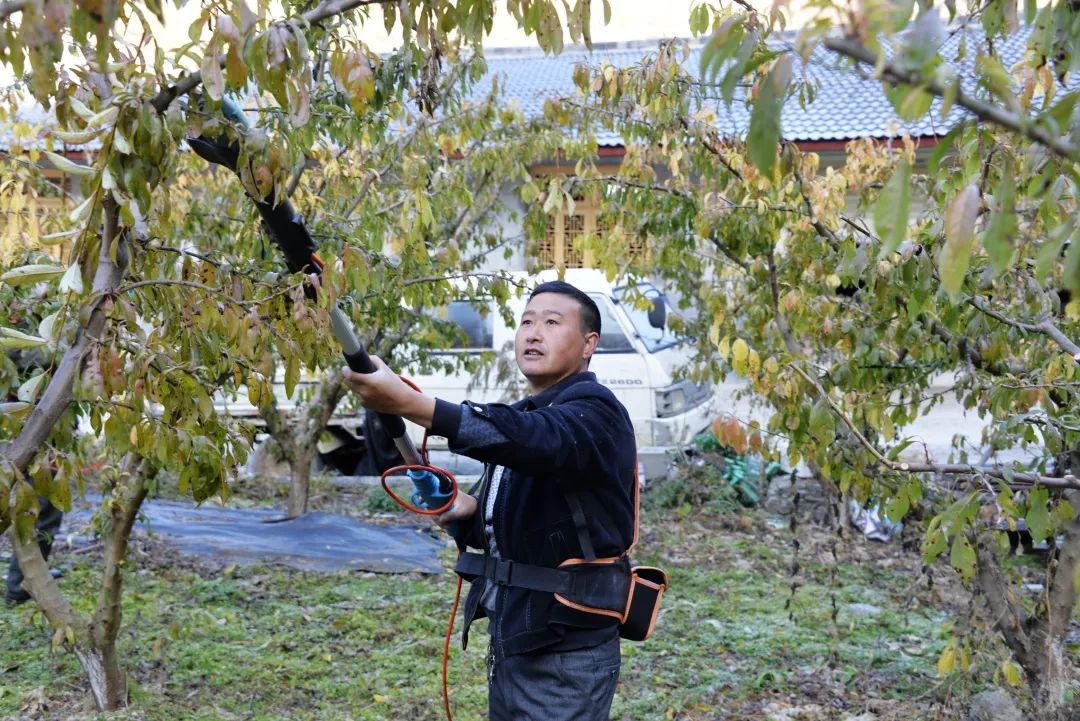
(557, 335)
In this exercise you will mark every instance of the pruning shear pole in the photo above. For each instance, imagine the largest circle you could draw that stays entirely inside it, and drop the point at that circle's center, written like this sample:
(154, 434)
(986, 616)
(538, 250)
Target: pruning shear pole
(435, 488)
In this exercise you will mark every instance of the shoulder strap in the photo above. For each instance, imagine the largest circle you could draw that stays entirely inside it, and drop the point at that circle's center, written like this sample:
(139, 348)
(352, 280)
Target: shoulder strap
(573, 499)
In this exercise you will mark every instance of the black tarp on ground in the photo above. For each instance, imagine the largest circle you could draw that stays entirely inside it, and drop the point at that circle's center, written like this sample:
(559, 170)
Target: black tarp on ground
(313, 542)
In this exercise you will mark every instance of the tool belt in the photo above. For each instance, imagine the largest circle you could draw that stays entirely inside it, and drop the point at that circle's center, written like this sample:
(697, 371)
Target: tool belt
(606, 586)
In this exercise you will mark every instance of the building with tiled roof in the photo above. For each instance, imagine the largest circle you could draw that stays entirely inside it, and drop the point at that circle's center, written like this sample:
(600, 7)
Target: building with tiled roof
(849, 103)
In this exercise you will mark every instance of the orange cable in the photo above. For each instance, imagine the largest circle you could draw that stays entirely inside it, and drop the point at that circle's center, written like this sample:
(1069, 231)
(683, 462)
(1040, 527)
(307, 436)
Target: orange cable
(425, 466)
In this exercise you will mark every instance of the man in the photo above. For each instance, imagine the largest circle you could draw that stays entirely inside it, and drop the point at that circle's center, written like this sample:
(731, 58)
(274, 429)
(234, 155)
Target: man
(557, 485)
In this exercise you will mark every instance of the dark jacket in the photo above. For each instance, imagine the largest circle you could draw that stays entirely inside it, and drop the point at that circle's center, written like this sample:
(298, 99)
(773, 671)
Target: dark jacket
(574, 435)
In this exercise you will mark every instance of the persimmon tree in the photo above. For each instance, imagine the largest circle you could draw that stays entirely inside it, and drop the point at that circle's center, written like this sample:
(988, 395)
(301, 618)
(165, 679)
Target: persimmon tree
(844, 294)
(171, 295)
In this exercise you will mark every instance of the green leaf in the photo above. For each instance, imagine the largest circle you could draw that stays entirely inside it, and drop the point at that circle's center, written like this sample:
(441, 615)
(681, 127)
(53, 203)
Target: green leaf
(763, 136)
(897, 508)
(1049, 250)
(31, 274)
(25, 511)
(1005, 500)
(1038, 516)
(941, 149)
(822, 423)
(67, 166)
(1072, 264)
(891, 209)
(959, 227)
(15, 409)
(934, 545)
(962, 557)
(998, 240)
(911, 102)
(292, 375)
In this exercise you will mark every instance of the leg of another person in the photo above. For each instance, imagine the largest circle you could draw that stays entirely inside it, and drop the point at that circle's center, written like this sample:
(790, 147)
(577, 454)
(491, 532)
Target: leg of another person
(47, 526)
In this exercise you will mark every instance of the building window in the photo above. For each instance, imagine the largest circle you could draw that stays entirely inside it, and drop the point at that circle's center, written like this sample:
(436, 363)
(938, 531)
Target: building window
(561, 247)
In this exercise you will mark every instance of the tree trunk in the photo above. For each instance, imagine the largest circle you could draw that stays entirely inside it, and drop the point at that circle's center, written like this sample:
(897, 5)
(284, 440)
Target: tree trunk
(107, 680)
(94, 642)
(299, 481)
(297, 435)
(1037, 642)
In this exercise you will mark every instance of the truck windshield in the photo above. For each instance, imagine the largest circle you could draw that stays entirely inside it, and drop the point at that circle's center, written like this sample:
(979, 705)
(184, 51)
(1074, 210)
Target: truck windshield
(612, 338)
(635, 301)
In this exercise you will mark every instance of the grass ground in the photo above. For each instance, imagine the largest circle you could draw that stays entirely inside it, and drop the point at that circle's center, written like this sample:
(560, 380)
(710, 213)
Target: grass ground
(202, 641)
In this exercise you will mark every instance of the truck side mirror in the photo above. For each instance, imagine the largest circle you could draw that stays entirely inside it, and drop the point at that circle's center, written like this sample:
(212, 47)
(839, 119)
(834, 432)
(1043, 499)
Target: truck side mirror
(658, 312)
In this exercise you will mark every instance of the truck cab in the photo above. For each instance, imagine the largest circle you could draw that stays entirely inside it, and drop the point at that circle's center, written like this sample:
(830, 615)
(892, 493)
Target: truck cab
(636, 358)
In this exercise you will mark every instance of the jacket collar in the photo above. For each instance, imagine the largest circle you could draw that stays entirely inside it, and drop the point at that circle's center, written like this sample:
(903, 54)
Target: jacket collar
(548, 395)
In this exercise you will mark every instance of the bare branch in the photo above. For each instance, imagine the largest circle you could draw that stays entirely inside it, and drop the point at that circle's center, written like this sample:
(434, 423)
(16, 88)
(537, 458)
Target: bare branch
(850, 48)
(1017, 478)
(1045, 327)
(1066, 481)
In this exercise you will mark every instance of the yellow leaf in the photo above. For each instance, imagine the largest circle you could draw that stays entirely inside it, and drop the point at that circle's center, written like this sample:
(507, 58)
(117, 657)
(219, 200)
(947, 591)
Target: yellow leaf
(1072, 309)
(724, 347)
(740, 352)
(1011, 672)
(947, 662)
(754, 362)
(379, 698)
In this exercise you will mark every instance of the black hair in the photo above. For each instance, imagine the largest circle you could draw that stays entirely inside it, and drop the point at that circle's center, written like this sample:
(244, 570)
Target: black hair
(590, 314)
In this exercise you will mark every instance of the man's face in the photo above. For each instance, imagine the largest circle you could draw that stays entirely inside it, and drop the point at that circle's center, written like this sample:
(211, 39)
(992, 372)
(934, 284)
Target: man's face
(550, 343)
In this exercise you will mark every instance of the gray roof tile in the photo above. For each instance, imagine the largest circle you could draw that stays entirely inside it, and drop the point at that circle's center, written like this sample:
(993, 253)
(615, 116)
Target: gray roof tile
(849, 103)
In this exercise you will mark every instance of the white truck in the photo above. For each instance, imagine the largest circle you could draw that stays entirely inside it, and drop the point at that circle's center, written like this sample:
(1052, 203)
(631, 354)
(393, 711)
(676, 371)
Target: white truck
(636, 358)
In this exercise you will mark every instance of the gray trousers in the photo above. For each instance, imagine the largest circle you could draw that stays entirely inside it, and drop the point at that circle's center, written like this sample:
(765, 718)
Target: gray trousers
(563, 686)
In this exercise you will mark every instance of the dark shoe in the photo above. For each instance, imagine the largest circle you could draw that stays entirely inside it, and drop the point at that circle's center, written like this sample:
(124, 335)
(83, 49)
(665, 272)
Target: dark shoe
(15, 598)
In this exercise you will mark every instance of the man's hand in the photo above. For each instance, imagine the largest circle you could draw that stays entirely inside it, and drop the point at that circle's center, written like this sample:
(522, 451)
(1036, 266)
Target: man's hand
(463, 509)
(384, 392)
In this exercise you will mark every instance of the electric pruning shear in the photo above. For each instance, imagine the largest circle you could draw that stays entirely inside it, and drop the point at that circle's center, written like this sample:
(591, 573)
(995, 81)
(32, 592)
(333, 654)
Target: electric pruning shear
(435, 489)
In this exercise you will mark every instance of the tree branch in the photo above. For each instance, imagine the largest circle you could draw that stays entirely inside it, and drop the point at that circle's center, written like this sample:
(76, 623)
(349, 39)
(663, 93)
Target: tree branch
(1066, 481)
(781, 320)
(1008, 614)
(1045, 327)
(1064, 592)
(131, 488)
(21, 451)
(1017, 478)
(1025, 126)
(324, 11)
(824, 231)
